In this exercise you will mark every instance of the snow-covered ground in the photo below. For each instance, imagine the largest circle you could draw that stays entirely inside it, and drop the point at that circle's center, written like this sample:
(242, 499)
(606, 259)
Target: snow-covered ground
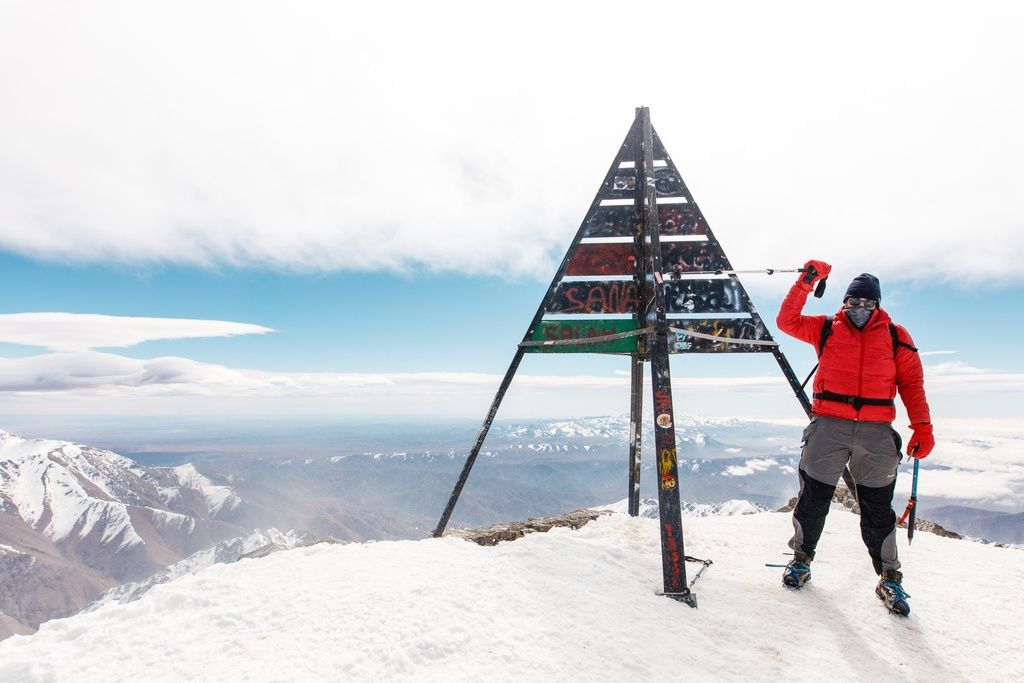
(563, 605)
(226, 551)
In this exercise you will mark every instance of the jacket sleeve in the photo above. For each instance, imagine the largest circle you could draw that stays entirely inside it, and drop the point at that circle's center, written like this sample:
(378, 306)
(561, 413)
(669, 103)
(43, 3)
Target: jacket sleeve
(804, 327)
(910, 380)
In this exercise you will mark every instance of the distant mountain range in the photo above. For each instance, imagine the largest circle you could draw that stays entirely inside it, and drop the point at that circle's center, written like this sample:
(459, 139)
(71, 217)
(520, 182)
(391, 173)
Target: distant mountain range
(1003, 527)
(77, 521)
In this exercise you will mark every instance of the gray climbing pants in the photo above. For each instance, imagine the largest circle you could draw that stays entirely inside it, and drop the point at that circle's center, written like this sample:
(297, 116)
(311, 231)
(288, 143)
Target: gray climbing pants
(871, 449)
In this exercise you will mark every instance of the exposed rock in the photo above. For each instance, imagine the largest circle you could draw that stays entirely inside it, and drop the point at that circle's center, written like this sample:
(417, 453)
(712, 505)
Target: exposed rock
(492, 535)
(848, 500)
(932, 527)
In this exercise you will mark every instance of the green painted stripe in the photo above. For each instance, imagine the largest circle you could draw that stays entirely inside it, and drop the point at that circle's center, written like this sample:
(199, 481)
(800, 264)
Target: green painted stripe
(549, 330)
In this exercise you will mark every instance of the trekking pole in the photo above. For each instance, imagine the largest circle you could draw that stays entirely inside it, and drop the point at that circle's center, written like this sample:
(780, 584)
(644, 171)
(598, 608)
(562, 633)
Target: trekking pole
(819, 291)
(911, 510)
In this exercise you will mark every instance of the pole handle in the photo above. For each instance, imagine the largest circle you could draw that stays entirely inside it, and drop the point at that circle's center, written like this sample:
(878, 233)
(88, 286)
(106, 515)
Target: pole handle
(810, 274)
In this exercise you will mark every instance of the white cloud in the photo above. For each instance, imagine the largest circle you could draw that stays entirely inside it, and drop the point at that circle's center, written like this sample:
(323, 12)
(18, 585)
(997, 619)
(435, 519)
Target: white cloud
(107, 383)
(936, 353)
(977, 460)
(79, 332)
(114, 374)
(750, 467)
(184, 376)
(959, 377)
(110, 383)
(954, 368)
(411, 135)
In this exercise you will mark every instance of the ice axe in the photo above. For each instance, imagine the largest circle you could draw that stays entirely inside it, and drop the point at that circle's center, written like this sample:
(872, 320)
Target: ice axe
(811, 274)
(911, 510)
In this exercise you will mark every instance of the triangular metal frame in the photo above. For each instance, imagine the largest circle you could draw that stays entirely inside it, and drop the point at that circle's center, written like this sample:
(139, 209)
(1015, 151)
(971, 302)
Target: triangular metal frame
(645, 277)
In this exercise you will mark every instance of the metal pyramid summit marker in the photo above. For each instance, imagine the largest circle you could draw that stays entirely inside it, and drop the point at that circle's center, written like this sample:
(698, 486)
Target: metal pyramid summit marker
(602, 294)
(645, 277)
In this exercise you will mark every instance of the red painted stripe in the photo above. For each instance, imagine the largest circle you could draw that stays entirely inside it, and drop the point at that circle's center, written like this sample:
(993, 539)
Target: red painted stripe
(603, 259)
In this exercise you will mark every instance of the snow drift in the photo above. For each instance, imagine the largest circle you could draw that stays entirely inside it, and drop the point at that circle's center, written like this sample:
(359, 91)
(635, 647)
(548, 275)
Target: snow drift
(562, 605)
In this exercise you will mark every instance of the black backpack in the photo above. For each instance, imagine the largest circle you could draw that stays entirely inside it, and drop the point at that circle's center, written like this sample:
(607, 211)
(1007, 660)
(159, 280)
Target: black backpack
(826, 332)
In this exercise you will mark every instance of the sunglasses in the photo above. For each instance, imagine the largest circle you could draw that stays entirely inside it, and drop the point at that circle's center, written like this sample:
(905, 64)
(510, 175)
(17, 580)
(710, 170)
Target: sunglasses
(854, 302)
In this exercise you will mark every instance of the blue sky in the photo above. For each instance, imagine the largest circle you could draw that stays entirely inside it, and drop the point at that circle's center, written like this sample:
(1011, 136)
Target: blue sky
(389, 190)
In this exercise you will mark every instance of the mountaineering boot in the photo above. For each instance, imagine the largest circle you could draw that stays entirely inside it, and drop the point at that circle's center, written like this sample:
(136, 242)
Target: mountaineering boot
(890, 591)
(798, 571)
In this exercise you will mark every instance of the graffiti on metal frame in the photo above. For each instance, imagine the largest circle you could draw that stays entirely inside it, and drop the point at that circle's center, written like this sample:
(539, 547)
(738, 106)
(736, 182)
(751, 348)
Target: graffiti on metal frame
(705, 296)
(621, 185)
(611, 221)
(603, 259)
(685, 257)
(595, 297)
(662, 401)
(667, 181)
(665, 463)
(681, 219)
(677, 582)
(726, 328)
(601, 285)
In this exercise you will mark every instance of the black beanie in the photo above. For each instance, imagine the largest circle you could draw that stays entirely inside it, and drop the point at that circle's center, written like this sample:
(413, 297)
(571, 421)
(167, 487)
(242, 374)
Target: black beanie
(864, 286)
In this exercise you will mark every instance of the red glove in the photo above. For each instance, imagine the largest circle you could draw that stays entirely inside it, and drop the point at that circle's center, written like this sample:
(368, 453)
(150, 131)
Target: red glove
(809, 277)
(922, 442)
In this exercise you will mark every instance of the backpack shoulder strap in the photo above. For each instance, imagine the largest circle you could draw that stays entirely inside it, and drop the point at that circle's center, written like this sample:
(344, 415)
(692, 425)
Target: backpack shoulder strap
(826, 332)
(896, 341)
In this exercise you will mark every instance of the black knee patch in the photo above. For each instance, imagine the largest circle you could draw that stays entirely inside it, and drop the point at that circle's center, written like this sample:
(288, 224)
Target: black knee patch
(814, 494)
(877, 519)
(811, 509)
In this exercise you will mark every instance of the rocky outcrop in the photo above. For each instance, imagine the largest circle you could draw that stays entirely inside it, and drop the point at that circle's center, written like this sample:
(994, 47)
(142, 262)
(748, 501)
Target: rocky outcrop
(843, 497)
(494, 534)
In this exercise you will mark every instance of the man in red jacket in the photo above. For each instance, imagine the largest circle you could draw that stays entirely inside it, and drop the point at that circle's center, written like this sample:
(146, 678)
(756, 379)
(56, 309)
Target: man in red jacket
(864, 361)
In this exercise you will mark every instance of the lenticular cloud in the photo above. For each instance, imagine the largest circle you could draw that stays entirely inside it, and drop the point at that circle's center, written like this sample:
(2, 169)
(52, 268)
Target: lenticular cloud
(70, 332)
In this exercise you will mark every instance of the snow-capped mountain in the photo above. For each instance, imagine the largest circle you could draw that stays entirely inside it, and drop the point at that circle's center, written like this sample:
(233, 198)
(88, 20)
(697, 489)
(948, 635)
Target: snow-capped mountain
(699, 436)
(225, 552)
(76, 520)
(72, 493)
(649, 508)
(562, 605)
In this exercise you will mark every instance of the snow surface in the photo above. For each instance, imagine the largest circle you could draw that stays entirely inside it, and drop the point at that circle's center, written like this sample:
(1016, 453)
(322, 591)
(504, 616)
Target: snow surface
(563, 605)
(225, 551)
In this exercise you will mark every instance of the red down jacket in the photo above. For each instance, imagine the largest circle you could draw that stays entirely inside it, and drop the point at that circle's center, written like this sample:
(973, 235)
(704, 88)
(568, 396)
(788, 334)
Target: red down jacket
(859, 363)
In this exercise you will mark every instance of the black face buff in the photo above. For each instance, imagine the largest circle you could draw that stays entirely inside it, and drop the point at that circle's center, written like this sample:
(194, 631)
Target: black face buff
(859, 316)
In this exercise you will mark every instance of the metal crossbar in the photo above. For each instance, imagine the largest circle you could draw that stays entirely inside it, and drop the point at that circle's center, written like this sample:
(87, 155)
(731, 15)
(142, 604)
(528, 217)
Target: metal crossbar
(723, 340)
(646, 330)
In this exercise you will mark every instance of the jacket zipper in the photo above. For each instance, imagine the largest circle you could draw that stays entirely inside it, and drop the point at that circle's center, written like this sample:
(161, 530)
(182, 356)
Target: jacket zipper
(860, 371)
